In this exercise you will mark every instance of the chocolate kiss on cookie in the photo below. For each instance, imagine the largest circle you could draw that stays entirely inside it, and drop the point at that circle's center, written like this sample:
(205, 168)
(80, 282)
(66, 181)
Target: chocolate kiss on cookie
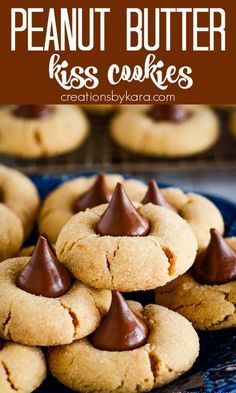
(154, 196)
(121, 218)
(120, 329)
(96, 195)
(217, 264)
(44, 275)
(32, 111)
(174, 113)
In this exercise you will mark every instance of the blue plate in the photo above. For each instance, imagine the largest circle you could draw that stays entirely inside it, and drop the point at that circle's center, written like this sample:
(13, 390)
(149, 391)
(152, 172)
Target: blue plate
(215, 369)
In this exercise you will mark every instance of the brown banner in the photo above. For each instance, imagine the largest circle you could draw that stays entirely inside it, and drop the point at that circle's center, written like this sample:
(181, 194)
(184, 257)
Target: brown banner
(118, 52)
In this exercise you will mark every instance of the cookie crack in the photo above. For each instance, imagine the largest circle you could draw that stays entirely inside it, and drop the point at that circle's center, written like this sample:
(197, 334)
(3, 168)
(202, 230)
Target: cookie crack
(155, 363)
(223, 320)
(110, 260)
(183, 306)
(9, 379)
(108, 264)
(68, 246)
(73, 316)
(171, 259)
(6, 325)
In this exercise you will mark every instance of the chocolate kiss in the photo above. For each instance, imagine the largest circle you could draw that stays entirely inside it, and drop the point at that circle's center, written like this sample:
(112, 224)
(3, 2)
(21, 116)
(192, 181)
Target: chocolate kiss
(217, 264)
(154, 196)
(44, 275)
(32, 111)
(175, 113)
(120, 329)
(121, 218)
(96, 195)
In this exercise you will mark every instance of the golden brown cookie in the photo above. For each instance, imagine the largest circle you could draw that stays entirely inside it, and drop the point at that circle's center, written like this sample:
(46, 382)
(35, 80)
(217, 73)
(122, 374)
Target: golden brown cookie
(135, 130)
(27, 134)
(11, 233)
(199, 212)
(127, 263)
(22, 368)
(19, 195)
(208, 307)
(58, 207)
(172, 348)
(62, 320)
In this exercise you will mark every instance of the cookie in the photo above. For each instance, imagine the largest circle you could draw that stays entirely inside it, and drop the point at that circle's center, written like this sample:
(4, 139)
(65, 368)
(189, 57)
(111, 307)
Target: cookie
(62, 320)
(40, 130)
(208, 307)
(145, 248)
(166, 130)
(26, 251)
(59, 206)
(11, 233)
(19, 195)
(171, 349)
(22, 368)
(199, 212)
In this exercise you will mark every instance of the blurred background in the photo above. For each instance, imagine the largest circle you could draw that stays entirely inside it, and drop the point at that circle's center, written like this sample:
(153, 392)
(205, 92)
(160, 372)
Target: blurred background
(213, 171)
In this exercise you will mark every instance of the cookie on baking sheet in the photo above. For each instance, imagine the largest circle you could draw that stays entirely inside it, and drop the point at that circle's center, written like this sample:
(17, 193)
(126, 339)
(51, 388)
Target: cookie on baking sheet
(41, 289)
(133, 348)
(126, 247)
(20, 195)
(166, 130)
(22, 368)
(11, 233)
(206, 296)
(79, 194)
(41, 130)
(199, 212)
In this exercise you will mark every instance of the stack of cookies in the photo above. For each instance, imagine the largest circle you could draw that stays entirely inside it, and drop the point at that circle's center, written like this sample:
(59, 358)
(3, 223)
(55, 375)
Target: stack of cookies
(106, 236)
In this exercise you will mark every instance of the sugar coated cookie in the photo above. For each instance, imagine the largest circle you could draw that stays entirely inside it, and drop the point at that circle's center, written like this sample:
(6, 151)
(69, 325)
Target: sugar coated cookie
(165, 130)
(206, 295)
(170, 349)
(41, 130)
(22, 368)
(11, 233)
(19, 194)
(79, 194)
(199, 212)
(126, 247)
(41, 289)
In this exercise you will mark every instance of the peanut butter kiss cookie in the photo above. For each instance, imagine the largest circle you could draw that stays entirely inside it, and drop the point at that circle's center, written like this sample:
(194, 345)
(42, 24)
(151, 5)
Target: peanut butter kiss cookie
(199, 212)
(22, 368)
(206, 295)
(126, 247)
(19, 195)
(41, 305)
(78, 195)
(11, 233)
(41, 130)
(166, 130)
(133, 349)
